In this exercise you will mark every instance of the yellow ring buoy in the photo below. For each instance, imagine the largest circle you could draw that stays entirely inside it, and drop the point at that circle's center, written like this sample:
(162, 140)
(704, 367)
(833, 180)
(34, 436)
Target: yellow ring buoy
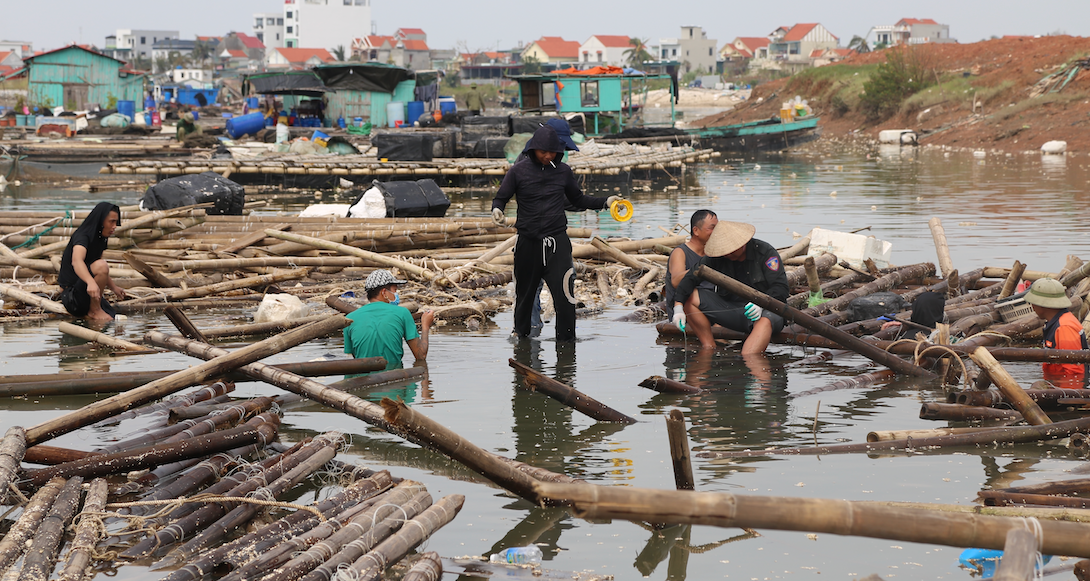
(621, 211)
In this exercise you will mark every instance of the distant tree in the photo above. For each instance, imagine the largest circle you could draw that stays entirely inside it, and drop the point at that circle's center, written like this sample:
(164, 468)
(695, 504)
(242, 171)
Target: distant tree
(202, 51)
(338, 53)
(141, 63)
(637, 55)
(859, 44)
(161, 64)
(530, 65)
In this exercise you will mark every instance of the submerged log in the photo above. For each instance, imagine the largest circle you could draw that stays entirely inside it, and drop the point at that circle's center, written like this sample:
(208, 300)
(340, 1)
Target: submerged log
(861, 380)
(568, 395)
(789, 313)
(1005, 498)
(839, 517)
(664, 385)
(175, 382)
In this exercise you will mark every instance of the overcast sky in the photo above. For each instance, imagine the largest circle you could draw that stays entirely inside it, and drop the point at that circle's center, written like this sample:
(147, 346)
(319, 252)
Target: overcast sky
(488, 24)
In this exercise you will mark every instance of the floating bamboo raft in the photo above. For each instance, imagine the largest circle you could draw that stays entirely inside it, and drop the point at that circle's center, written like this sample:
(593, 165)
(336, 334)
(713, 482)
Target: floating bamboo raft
(603, 160)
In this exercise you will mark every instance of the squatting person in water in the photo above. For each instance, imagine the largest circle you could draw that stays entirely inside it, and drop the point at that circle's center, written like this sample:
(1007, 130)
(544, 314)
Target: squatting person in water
(84, 274)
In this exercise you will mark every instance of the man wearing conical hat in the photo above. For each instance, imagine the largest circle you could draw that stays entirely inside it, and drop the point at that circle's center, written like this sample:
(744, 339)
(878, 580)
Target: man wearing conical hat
(1050, 302)
(733, 251)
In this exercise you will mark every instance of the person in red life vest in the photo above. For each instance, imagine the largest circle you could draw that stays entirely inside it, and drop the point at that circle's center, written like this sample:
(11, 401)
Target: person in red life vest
(1062, 330)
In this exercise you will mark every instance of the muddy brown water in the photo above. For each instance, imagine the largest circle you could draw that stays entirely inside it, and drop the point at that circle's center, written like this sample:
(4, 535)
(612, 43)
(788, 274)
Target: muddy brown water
(995, 209)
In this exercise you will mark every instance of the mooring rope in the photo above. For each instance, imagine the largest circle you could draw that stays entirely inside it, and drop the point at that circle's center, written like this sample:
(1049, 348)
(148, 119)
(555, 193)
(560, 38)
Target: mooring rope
(206, 498)
(34, 239)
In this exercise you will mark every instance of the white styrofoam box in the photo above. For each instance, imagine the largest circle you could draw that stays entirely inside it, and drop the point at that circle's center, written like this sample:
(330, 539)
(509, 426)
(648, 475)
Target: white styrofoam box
(279, 307)
(898, 136)
(1054, 147)
(317, 210)
(371, 205)
(855, 248)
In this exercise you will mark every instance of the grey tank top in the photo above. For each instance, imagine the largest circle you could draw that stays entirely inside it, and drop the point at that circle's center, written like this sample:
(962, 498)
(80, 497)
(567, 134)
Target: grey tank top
(691, 260)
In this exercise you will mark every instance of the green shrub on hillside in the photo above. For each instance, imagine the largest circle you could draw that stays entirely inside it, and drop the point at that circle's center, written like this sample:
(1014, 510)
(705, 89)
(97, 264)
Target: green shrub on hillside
(905, 73)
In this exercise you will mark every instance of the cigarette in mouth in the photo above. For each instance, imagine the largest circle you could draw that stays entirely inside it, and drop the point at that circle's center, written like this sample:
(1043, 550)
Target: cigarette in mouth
(552, 164)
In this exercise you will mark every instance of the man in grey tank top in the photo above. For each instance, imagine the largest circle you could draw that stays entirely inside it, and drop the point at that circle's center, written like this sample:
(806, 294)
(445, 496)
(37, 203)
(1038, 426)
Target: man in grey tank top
(685, 257)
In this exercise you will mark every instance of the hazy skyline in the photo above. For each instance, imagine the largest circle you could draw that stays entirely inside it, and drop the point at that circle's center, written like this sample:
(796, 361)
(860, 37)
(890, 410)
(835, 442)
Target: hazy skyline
(491, 24)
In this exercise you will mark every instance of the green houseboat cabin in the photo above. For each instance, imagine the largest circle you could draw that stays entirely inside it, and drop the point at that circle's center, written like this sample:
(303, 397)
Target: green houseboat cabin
(610, 102)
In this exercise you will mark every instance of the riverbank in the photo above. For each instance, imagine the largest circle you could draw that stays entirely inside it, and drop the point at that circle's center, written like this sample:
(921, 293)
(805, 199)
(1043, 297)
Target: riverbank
(995, 94)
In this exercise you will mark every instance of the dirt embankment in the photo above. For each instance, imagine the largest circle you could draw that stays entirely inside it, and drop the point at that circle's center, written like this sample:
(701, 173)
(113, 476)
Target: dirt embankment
(986, 95)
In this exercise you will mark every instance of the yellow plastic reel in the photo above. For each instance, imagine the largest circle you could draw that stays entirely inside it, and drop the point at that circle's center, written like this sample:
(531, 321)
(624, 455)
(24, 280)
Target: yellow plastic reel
(621, 211)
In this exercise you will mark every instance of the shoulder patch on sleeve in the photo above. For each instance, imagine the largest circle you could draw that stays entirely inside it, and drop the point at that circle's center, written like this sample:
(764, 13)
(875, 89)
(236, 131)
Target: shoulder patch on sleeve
(773, 263)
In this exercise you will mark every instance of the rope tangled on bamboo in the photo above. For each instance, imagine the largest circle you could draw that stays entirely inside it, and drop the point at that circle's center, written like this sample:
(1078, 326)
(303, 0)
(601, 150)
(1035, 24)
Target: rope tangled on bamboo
(206, 498)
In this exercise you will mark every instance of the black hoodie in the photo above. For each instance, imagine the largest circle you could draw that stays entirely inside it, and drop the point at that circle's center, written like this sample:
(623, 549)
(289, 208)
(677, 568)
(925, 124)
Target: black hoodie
(543, 190)
(88, 235)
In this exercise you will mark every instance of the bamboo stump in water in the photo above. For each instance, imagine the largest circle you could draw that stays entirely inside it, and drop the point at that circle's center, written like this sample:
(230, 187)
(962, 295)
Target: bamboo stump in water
(679, 450)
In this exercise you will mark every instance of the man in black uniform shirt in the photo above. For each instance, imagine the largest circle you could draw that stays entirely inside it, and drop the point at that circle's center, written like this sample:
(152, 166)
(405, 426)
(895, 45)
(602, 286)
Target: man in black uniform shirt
(733, 251)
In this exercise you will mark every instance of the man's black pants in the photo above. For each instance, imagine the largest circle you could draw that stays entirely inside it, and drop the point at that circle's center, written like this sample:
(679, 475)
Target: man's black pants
(548, 259)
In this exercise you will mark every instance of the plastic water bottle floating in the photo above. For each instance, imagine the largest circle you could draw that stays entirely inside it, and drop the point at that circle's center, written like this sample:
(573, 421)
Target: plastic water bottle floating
(518, 555)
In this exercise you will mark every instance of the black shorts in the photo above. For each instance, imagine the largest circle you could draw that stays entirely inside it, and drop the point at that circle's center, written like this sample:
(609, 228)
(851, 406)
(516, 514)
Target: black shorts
(732, 314)
(78, 303)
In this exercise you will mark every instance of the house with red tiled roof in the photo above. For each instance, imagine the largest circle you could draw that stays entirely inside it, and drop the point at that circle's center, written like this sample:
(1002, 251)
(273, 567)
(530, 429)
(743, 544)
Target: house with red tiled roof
(254, 49)
(11, 60)
(411, 34)
(745, 47)
(791, 48)
(411, 54)
(910, 31)
(373, 48)
(825, 56)
(605, 49)
(552, 49)
(296, 58)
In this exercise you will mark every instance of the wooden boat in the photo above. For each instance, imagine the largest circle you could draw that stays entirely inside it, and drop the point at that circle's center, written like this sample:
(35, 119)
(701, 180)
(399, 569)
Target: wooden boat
(765, 134)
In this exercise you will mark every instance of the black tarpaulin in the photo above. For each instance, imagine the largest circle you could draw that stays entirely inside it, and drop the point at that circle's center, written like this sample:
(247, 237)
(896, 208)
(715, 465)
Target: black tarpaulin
(363, 77)
(304, 83)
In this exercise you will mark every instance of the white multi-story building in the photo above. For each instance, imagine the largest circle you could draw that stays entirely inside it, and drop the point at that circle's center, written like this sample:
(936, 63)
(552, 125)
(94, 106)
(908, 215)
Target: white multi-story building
(269, 29)
(325, 23)
(910, 31)
(604, 49)
(693, 49)
(140, 42)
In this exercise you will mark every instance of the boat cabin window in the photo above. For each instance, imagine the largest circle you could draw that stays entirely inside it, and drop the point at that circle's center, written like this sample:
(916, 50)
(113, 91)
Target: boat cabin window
(589, 91)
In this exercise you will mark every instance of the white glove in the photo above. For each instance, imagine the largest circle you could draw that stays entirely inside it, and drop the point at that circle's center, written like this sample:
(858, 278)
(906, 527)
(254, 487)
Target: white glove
(612, 200)
(679, 317)
(753, 312)
(498, 217)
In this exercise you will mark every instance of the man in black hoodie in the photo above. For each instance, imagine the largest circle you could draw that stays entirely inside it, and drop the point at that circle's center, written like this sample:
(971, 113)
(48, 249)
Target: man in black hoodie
(84, 274)
(544, 187)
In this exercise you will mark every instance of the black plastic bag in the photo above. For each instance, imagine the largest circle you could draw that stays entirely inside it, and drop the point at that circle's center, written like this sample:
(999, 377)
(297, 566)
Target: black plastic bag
(227, 196)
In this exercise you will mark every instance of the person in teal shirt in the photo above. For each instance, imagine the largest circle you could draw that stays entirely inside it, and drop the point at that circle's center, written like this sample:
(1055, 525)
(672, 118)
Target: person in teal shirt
(379, 327)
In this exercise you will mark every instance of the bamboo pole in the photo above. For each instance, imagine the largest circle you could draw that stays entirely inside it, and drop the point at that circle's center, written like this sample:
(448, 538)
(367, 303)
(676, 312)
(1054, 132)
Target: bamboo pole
(617, 255)
(813, 280)
(888, 435)
(14, 543)
(939, 235)
(796, 249)
(201, 291)
(139, 458)
(891, 280)
(97, 337)
(87, 534)
(183, 324)
(41, 557)
(153, 275)
(664, 385)
(679, 450)
(371, 565)
(948, 411)
(428, 568)
(1012, 280)
(31, 299)
(177, 381)
(839, 517)
(1004, 498)
(251, 239)
(12, 451)
(53, 455)
(436, 436)
(1012, 392)
(861, 380)
(788, 313)
(568, 395)
(419, 272)
(1015, 435)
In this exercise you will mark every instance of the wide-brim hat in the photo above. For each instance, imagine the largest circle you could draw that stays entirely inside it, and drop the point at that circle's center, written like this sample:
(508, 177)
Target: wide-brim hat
(379, 279)
(728, 237)
(1048, 293)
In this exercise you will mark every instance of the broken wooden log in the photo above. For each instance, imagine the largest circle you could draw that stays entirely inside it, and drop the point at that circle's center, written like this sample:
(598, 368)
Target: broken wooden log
(183, 324)
(568, 395)
(1012, 392)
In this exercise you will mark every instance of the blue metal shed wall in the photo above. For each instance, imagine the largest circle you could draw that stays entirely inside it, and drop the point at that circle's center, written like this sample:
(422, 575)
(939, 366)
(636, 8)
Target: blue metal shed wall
(49, 74)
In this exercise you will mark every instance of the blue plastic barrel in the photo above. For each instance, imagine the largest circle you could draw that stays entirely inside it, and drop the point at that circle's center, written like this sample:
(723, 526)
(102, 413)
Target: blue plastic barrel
(196, 115)
(245, 125)
(416, 109)
(128, 109)
(252, 102)
(447, 105)
(20, 120)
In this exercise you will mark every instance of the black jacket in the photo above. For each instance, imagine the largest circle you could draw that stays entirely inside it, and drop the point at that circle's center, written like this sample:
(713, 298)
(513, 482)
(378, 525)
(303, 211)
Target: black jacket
(543, 191)
(762, 270)
(88, 235)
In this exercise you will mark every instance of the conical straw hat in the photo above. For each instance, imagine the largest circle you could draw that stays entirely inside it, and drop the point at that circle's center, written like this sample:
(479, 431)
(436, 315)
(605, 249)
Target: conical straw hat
(728, 237)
